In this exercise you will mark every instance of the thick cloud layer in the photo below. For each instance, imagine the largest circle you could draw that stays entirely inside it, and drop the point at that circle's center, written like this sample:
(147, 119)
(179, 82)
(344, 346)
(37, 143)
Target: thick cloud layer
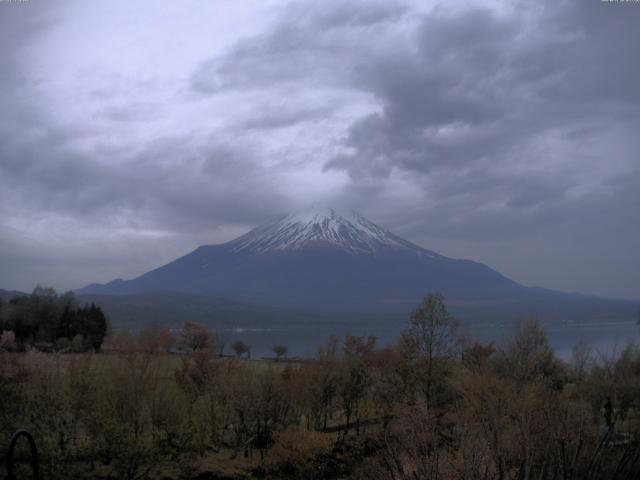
(501, 132)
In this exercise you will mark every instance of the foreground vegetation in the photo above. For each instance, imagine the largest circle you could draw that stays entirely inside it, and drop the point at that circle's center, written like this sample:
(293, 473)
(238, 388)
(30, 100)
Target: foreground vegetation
(433, 406)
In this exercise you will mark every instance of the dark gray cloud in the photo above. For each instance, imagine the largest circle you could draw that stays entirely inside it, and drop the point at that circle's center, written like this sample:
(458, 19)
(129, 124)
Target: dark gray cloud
(170, 184)
(477, 85)
(282, 116)
(507, 121)
(309, 46)
(502, 132)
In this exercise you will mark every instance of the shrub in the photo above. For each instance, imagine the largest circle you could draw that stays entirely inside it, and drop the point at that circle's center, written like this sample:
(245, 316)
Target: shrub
(294, 451)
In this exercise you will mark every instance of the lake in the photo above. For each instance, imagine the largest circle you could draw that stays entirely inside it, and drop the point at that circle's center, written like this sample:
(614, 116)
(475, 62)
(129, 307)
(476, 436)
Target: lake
(304, 340)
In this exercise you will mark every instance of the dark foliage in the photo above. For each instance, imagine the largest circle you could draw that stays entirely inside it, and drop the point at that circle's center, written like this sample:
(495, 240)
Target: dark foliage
(50, 321)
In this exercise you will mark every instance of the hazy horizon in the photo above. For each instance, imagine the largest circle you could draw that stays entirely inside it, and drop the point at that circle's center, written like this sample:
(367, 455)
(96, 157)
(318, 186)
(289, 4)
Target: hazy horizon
(500, 132)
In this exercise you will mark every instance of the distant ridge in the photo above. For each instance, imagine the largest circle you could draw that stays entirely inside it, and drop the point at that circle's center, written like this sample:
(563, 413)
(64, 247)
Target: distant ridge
(7, 295)
(327, 261)
(173, 308)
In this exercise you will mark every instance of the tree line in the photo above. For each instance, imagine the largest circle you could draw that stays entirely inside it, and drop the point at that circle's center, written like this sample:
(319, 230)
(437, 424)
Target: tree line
(51, 322)
(436, 405)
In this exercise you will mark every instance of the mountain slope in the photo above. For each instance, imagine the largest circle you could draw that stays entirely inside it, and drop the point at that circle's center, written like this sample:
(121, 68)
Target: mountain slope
(349, 232)
(328, 261)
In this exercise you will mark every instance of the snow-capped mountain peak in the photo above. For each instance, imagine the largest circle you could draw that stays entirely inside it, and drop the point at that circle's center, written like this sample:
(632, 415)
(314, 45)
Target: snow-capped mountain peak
(345, 230)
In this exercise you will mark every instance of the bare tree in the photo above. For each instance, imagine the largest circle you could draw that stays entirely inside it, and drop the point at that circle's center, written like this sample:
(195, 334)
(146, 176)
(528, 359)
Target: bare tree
(527, 355)
(432, 335)
(280, 351)
(195, 337)
(240, 348)
(581, 360)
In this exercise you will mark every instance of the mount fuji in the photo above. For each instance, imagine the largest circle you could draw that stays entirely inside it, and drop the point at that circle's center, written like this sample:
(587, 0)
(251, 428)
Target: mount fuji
(329, 261)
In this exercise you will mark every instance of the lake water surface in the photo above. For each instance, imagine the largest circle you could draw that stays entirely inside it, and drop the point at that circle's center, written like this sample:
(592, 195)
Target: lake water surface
(304, 340)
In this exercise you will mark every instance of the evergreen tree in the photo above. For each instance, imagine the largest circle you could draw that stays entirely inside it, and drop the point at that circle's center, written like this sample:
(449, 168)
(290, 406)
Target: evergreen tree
(44, 317)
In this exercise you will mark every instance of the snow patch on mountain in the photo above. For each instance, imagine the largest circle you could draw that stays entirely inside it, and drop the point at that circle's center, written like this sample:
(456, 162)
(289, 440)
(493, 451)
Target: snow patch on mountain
(348, 231)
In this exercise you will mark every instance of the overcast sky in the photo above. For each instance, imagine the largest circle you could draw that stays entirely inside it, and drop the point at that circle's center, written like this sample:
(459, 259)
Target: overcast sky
(504, 132)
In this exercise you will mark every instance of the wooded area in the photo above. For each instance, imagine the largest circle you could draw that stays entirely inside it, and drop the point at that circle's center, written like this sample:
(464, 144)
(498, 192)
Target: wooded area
(435, 405)
(50, 322)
